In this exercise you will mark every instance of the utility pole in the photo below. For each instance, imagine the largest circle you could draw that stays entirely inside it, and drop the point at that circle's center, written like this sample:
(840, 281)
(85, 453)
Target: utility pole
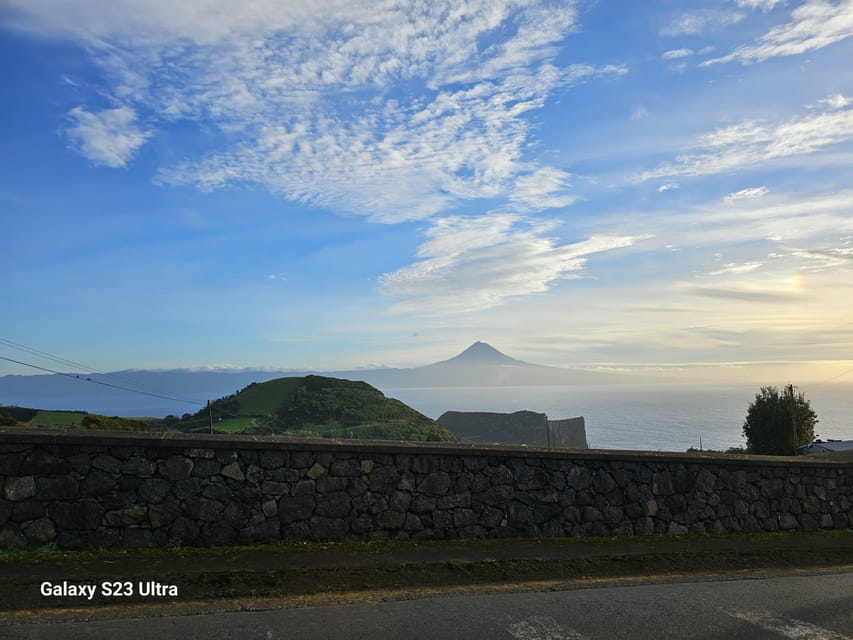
(210, 417)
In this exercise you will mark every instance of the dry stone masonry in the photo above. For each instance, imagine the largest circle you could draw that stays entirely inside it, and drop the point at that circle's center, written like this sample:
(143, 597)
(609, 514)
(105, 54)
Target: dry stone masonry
(128, 490)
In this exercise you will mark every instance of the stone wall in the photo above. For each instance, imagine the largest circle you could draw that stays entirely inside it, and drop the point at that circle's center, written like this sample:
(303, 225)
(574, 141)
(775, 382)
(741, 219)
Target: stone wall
(99, 489)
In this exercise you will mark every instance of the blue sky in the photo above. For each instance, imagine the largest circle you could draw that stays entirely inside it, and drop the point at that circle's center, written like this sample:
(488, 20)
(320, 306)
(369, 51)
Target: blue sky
(269, 184)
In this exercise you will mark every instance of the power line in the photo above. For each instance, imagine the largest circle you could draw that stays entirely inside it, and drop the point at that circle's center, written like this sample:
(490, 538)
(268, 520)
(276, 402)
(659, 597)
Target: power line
(72, 363)
(100, 382)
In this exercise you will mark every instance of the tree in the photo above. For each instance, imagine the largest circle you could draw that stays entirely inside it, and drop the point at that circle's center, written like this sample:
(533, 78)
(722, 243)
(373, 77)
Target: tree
(777, 423)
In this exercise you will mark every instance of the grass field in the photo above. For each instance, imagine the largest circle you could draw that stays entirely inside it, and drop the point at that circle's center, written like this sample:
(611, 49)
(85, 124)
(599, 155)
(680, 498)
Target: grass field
(56, 418)
(232, 425)
(266, 399)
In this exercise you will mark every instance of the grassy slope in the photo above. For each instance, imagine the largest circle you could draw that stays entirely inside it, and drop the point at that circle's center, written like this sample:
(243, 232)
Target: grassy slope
(316, 406)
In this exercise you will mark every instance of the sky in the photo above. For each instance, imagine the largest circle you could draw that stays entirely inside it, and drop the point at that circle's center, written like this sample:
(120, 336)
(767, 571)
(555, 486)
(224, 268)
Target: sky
(337, 185)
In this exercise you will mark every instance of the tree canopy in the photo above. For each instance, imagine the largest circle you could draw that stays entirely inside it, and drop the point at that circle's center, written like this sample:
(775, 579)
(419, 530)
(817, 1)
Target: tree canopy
(777, 422)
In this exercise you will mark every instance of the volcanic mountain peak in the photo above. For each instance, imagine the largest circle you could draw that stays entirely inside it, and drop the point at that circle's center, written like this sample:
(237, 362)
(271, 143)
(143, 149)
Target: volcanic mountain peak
(482, 353)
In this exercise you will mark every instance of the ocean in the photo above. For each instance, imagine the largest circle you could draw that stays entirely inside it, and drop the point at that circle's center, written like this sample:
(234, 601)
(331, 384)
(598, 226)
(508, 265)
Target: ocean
(649, 417)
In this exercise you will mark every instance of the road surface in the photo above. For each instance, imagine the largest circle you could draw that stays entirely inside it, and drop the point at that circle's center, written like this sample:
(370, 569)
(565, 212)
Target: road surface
(802, 607)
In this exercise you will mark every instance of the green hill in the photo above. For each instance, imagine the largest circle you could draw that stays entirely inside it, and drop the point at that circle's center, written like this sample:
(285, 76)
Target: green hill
(316, 406)
(27, 417)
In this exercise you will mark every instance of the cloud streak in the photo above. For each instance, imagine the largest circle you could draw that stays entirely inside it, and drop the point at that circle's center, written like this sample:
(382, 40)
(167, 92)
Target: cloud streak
(754, 143)
(815, 24)
(472, 263)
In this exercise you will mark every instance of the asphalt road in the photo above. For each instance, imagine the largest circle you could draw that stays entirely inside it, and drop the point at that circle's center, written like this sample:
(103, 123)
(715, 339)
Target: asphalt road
(804, 607)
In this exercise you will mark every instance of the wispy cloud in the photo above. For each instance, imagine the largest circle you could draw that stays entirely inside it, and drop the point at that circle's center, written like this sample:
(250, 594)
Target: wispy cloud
(109, 137)
(733, 268)
(308, 97)
(677, 54)
(753, 143)
(470, 263)
(700, 21)
(836, 101)
(746, 194)
(669, 186)
(764, 5)
(813, 25)
(545, 188)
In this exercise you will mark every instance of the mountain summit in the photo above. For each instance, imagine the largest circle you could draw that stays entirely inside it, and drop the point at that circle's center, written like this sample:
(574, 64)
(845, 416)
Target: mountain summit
(483, 354)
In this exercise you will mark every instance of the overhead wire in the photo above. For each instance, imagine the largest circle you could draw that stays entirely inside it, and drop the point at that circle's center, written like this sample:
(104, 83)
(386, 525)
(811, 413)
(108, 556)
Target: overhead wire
(100, 382)
(72, 363)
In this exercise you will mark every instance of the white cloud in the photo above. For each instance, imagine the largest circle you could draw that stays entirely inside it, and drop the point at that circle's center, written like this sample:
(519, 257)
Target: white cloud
(109, 137)
(814, 24)
(307, 95)
(470, 263)
(668, 187)
(752, 143)
(836, 101)
(639, 113)
(544, 188)
(700, 21)
(733, 268)
(676, 54)
(745, 194)
(764, 5)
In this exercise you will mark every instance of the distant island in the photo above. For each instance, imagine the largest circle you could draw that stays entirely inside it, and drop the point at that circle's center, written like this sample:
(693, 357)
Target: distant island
(174, 391)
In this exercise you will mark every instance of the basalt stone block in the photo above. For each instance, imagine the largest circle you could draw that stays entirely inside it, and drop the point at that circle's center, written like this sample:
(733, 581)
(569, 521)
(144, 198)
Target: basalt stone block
(138, 466)
(579, 477)
(154, 490)
(10, 463)
(20, 488)
(519, 514)
(257, 532)
(499, 495)
(223, 456)
(40, 531)
(204, 509)
(185, 489)
(423, 504)
(464, 518)
(435, 484)
(330, 484)
(165, 513)
(662, 484)
(301, 459)
(220, 534)
(327, 529)
(422, 464)
(84, 515)
(412, 523)
(384, 479)
(200, 468)
(61, 488)
(97, 483)
(107, 463)
(316, 471)
(11, 537)
(130, 515)
(233, 472)
(498, 475)
(273, 459)
(41, 462)
(27, 510)
(291, 509)
(334, 505)
(177, 468)
(705, 481)
(392, 519)
(185, 530)
(217, 491)
(5, 510)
